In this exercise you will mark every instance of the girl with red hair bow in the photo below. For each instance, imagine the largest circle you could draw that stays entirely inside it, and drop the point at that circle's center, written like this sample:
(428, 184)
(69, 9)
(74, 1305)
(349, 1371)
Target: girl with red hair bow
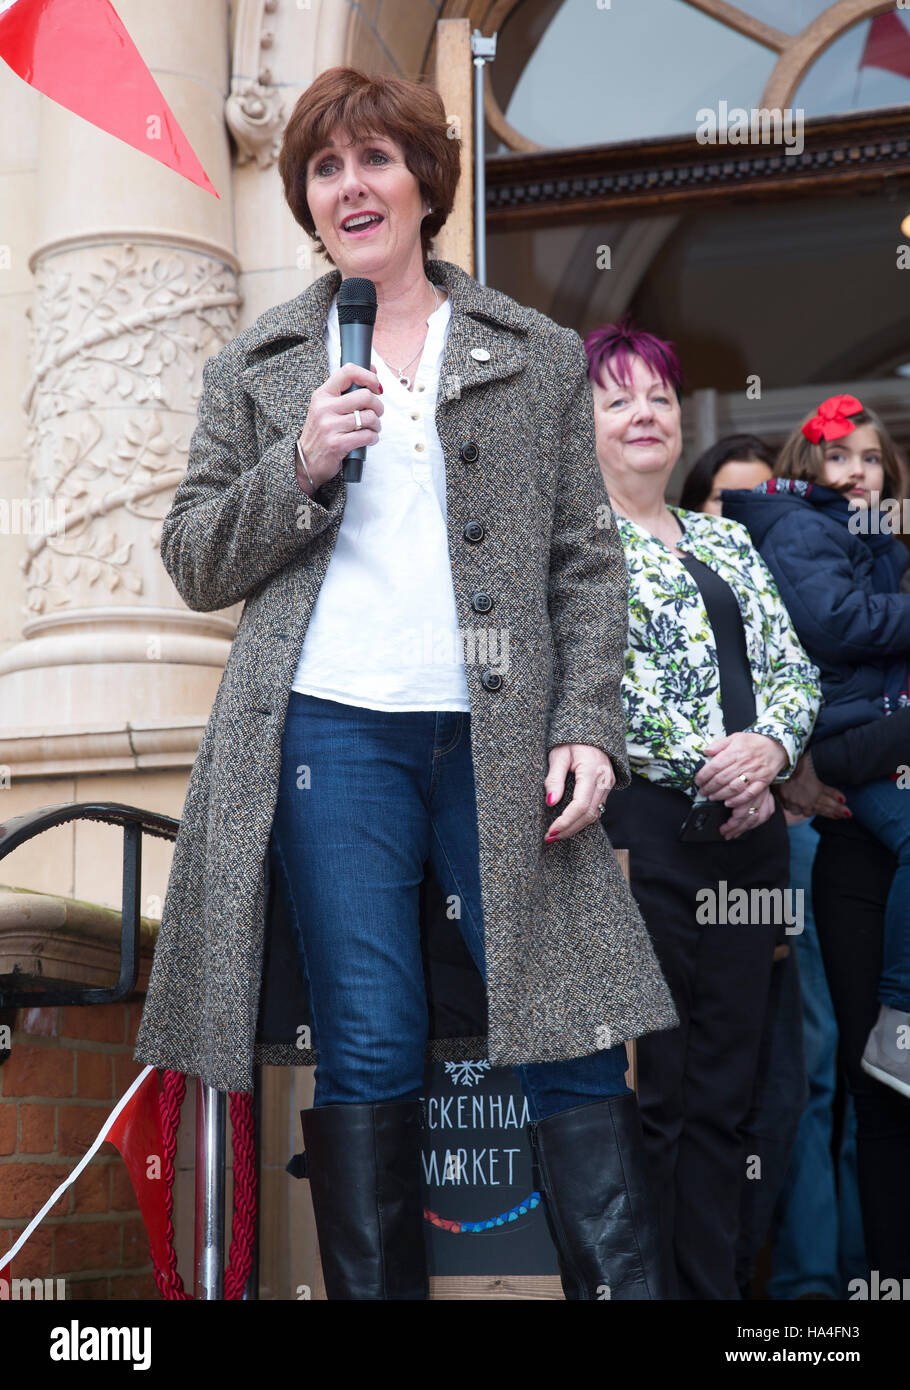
(844, 578)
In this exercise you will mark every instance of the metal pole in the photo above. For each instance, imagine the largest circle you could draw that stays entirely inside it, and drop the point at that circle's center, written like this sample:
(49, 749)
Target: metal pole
(210, 1127)
(484, 51)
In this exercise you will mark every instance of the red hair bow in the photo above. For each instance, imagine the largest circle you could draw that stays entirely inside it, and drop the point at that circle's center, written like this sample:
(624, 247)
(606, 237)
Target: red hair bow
(830, 420)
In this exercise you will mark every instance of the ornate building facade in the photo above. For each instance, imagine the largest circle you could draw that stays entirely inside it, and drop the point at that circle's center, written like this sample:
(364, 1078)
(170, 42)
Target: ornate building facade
(121, 278)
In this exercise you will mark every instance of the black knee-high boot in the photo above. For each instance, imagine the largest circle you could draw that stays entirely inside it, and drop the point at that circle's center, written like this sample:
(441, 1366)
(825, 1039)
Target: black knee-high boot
(363, 1163)
(591, 1170)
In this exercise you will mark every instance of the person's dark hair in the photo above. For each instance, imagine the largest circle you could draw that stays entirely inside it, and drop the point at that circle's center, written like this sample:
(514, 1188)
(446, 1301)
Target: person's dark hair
(410, 113)
(744, 448)
(611, 346)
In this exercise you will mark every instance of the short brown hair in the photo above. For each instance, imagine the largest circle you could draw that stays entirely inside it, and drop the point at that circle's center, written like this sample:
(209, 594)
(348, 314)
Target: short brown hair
(410, 113)
(800, 458)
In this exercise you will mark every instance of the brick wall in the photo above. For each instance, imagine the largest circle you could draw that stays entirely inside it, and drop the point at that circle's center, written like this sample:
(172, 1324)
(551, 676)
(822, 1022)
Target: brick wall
(67, 1069)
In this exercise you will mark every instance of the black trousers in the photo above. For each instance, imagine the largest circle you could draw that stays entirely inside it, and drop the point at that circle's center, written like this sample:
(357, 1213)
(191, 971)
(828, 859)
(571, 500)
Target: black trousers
(696, 1081)
(851, 877)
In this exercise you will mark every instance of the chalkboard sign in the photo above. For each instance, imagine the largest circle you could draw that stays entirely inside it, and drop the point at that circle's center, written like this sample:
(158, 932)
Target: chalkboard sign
(482, 1211)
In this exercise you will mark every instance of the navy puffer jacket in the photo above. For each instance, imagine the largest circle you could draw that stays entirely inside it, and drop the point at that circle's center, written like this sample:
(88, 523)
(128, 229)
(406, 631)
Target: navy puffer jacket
(841, 592)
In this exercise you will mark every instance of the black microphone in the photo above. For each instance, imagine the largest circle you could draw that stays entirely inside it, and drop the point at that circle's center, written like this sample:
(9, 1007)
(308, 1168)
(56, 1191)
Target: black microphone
(356, 316)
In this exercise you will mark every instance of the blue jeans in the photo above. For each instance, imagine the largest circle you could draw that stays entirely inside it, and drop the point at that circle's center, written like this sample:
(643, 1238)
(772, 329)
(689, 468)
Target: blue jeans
(817, 1234)
(365, 798)
(884, 809)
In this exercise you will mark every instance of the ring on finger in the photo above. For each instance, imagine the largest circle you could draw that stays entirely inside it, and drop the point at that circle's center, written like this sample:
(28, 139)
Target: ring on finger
(357, 420)
(743, 777)
(753, 811)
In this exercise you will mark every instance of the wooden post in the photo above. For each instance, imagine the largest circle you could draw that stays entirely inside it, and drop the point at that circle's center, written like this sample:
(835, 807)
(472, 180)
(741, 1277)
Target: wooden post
(453, 78)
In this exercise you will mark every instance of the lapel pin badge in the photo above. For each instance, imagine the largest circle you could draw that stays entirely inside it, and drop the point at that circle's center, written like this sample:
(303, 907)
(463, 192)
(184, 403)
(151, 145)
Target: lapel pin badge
(480, 354)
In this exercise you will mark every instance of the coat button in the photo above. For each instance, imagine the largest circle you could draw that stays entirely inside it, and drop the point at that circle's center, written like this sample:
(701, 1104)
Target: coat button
(491, 680)
(469, 451)
(481, 603)
(474, 532)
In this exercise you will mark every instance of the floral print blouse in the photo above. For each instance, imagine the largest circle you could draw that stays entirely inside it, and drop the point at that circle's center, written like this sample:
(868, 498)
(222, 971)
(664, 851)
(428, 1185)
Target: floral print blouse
(671, 687)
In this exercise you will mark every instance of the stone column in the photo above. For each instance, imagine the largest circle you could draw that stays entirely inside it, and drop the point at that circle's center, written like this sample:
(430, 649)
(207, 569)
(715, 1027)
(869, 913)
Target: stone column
(135, 285)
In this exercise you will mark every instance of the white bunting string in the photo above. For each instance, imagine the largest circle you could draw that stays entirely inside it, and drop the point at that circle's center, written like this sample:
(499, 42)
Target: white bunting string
(86, 1157)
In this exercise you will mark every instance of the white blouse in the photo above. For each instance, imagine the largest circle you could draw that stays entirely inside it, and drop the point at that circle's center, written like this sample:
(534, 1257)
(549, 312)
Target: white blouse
(384, 631)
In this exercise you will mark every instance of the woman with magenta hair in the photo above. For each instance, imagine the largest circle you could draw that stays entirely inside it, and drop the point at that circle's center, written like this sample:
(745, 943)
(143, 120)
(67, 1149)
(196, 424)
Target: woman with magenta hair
(720, 699)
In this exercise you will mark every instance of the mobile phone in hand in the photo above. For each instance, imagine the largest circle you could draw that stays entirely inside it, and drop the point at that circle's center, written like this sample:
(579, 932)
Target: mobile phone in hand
(704, 821)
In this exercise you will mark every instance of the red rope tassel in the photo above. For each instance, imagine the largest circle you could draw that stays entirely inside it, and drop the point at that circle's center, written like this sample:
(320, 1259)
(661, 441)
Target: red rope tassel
(243, 1227)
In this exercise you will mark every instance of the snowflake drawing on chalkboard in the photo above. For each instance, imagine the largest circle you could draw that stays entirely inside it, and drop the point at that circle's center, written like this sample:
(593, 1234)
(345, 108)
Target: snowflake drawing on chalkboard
(466, 1073)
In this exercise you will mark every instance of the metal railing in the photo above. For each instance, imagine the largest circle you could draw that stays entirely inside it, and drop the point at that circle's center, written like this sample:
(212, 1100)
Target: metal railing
(210, 1103)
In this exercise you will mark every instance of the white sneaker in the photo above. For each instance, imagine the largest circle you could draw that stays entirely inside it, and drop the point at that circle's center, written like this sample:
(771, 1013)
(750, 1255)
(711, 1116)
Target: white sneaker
(886, 1055)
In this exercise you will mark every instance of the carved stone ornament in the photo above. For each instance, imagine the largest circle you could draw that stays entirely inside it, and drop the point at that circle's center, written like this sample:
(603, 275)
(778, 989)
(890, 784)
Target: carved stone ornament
(255, 116)
(119, 335)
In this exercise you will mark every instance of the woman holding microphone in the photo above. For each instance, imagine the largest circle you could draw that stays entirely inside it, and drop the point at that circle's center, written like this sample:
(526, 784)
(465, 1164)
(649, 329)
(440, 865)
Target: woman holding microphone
(478, 525)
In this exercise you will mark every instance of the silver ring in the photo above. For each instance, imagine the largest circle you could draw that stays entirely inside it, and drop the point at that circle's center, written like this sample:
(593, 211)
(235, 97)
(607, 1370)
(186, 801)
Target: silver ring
(743, 777)
(601, 808)
(357, 420)
(753, 811)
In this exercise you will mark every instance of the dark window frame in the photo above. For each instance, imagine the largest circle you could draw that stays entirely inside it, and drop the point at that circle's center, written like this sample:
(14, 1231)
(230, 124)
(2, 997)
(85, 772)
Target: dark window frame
(862, 152)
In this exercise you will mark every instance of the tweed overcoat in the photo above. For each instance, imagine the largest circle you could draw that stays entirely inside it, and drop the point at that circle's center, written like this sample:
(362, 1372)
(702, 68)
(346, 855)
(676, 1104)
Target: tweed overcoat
(570, 965)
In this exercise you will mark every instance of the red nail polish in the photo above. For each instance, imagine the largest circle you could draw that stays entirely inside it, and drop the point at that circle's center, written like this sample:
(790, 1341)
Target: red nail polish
(549, 798)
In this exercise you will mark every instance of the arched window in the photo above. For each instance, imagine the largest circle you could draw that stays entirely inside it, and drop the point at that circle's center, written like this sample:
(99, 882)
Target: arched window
(638, 70)
(571, 74)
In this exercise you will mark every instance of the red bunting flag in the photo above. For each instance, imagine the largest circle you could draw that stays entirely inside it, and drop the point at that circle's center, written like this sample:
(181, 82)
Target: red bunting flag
(134, 1128)
(136, 1133)
(78, 53)
(887, 45)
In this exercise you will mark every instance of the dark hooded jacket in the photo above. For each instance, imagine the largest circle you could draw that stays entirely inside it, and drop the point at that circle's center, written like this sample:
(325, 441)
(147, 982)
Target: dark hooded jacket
(841, 589)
